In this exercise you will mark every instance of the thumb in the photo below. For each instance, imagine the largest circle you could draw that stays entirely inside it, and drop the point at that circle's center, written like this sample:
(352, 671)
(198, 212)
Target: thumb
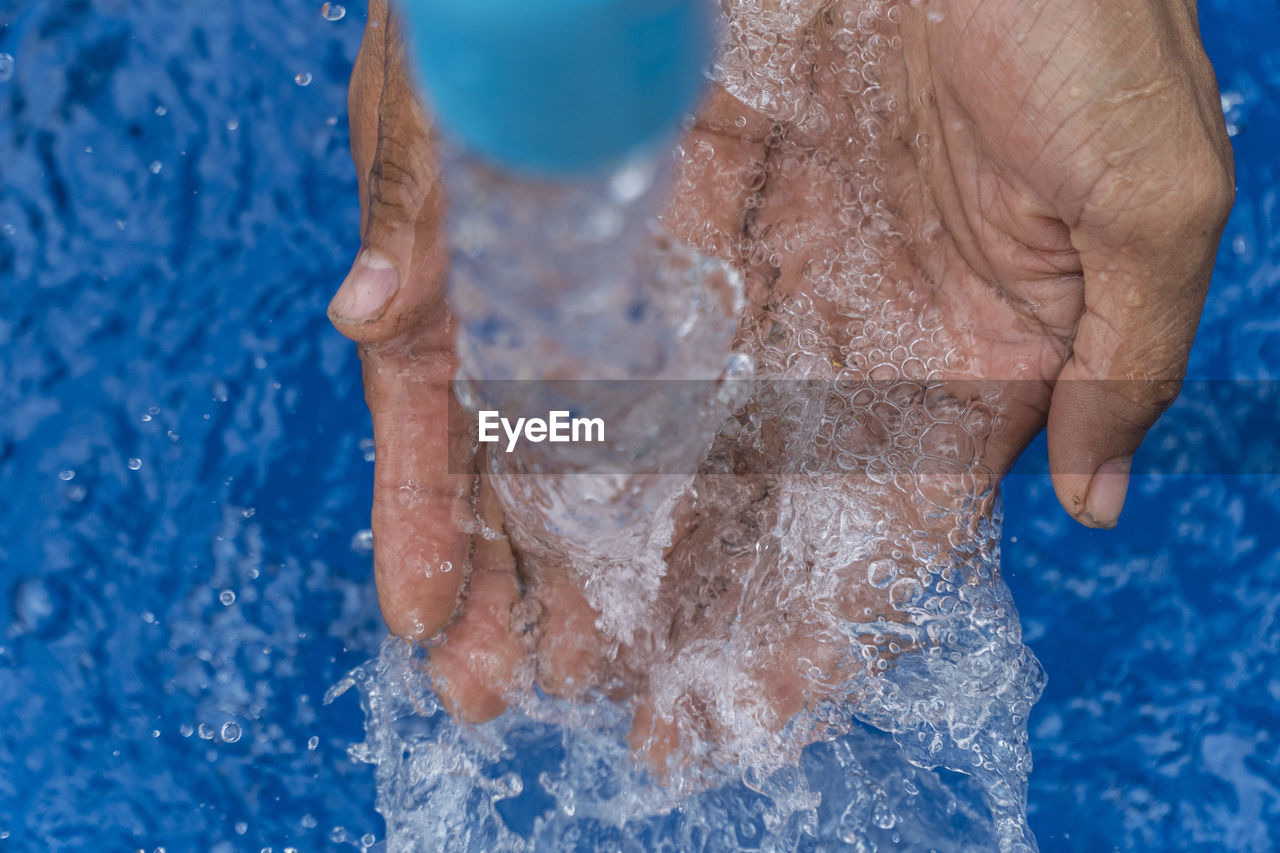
(1144, 291)
(397, 280)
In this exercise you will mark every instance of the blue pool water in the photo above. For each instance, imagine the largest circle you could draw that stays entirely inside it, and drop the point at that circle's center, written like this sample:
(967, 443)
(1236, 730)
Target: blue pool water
(184, 472)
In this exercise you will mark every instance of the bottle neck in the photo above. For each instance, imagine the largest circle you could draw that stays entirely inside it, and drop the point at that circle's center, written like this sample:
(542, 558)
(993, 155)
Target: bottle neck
(532, 240)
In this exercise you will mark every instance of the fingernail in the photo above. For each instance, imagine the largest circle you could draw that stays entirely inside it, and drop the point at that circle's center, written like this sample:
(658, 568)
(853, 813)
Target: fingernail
(367, 290)
(1107, 489)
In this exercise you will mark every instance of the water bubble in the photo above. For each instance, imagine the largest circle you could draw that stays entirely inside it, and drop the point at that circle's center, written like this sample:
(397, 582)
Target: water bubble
(231, 732)
(303, 78)
(162, 110)
(227, 597)
(312, 743)
(233, 124)
(241, 827)
(880, 573)
(308, 821)
(186, 730)
(205, 731)
(66, 476)
(333, 11)
(155, 167)
(446, 567)
(368, 840)
(6, 67)
(134, 463)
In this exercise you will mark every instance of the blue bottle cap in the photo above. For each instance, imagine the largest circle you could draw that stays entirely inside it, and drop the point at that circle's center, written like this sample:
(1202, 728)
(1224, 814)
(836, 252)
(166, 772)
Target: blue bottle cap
(559, 88)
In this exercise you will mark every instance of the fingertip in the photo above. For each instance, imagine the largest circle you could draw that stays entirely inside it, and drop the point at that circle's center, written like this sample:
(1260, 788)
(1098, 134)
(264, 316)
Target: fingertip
(653, 739)
(479, 663)
(1108, 487)
(366, 293)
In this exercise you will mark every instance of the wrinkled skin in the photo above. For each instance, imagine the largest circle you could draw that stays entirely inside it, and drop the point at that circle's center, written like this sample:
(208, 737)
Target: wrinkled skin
(1064, 168)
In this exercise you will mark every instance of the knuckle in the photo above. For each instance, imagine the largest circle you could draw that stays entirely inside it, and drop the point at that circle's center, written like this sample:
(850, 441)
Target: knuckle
(1202, 193)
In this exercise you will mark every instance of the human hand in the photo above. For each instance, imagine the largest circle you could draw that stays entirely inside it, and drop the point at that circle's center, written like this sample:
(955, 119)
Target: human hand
(1078, 161)
(1004, 241)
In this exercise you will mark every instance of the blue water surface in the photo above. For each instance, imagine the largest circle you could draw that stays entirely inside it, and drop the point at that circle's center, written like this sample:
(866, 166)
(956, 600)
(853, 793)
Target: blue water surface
(185, 473)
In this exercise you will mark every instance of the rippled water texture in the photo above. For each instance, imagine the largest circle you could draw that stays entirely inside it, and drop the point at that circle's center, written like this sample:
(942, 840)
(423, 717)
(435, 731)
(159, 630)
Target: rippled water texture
(185, 472)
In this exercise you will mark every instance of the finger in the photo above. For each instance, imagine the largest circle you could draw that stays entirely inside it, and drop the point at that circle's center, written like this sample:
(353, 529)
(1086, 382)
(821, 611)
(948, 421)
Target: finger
(420, 509)
(477, 666)
(398, 277)
(572, 655)
(1147, 271)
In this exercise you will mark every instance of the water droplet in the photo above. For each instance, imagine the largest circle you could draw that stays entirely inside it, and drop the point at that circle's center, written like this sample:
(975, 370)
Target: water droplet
(333, 11)
(362, 542)
(231, 732)
(186, 730)
(368, 840)
(233, 124)
(6, 67)
(446, 566)
(880, 573)
(205, 731)
(227, 597)
(162, 111)
(241, 827)
(155, 167)
(134, 463)
(39, 606)
(66, 476)
(303, 79)
(308, 821)
(312, 743)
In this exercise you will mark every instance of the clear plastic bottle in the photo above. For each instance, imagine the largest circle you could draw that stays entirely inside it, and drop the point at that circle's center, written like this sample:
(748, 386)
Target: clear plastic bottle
(558, 126)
